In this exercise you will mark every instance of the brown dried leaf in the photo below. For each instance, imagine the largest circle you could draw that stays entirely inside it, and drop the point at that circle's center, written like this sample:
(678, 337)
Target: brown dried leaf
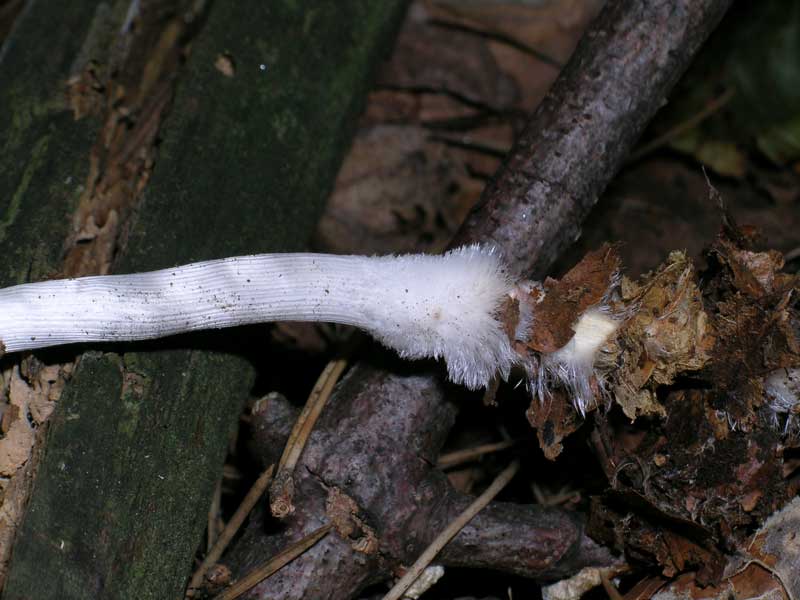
(585, 285)
(648, 540)
(481, 148)
(390, 106)
(753, 273)
(668, 334)
(776, 546)
(452, 62)
(754, 583)
(554, 419)
(530, 42)
(396, 192)
(551, 29)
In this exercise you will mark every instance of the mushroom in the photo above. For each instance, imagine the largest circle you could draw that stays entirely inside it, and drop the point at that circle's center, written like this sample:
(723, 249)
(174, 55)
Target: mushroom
(444, 306)
(451, 306)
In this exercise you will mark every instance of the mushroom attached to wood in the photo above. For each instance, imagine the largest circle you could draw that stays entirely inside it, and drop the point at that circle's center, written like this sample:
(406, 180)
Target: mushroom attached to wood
(451, 306)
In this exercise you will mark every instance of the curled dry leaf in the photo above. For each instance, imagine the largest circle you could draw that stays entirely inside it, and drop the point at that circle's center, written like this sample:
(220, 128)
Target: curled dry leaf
(754, 583)
(558, 306)
(551, 28)
(529, 41)
(668, 334)
(458, 64)
(776, 547)
(554, 420)
(585, 285)
(765, 567)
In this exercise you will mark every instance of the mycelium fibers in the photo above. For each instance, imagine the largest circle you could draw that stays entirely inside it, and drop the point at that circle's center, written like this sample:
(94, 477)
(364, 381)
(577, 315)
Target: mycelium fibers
(573, 366)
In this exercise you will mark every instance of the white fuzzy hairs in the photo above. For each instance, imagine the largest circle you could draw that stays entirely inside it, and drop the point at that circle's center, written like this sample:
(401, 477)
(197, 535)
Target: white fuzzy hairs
(448, 306)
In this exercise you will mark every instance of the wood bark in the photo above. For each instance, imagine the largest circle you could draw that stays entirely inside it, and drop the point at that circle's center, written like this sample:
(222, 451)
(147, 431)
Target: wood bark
(620, 74)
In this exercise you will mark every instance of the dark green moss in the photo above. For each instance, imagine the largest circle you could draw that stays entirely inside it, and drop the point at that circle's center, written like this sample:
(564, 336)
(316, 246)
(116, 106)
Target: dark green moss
(246, 162)
(45, 151)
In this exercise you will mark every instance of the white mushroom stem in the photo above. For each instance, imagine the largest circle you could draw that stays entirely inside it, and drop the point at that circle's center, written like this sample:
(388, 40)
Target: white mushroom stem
(422, 306)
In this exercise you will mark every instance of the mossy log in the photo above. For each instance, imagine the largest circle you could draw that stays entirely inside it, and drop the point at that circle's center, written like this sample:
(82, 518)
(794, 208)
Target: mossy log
(247, 157)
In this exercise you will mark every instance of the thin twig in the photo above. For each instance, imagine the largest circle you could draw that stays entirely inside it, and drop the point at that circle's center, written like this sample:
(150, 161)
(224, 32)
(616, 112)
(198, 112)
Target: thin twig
(260, 573)
(712, 107)
(213, 516)
(610, 588)
(282, 490)
(305, 422)
(584, 129)
(250, 500)
(792, 254)
(451, 531)
(458, 457)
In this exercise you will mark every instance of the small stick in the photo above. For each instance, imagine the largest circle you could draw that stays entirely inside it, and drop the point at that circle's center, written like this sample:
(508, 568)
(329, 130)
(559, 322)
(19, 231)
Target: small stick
(305, 422)
(213, 516)
(712, 107)
(282, 490)
(610, 588)
(458, 457)
(424, 560)
(230, 530)
(792, 254)
(278, 561)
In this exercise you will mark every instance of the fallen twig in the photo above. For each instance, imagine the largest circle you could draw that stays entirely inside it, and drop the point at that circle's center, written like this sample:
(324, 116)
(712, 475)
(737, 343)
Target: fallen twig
(272, 565)
(214, 517)
(458, 457)
(451, 531)
(250, 500)
(282, 489)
